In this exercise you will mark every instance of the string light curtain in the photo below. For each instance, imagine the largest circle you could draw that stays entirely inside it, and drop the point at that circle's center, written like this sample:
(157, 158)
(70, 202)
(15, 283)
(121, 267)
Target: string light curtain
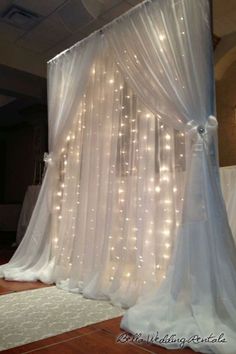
(117, 172)
(131, 117)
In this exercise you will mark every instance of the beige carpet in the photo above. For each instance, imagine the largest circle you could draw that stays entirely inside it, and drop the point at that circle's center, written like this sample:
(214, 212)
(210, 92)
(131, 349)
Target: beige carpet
(31, 315)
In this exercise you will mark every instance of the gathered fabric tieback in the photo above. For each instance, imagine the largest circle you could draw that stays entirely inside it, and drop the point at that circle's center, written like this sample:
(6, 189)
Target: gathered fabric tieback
(48, 159)
(202, 135)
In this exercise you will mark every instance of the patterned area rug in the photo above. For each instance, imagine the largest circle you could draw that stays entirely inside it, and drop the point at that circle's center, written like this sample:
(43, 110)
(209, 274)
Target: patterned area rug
(32, 315)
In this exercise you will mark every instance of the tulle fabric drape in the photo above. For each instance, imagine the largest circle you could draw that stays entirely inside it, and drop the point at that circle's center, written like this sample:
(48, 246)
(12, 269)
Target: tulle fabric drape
(133, 178)
(34, 258)
(118, 200)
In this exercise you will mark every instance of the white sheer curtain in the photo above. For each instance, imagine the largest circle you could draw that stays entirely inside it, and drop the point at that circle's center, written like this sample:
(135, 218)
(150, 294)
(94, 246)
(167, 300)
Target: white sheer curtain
(131, 117)
(118, 199)
(160, 48)
(172, 53)
(33, 259)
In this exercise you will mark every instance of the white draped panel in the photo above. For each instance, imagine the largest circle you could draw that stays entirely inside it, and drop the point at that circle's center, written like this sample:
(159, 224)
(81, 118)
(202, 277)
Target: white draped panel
(33, 253)
(34, 259)
(201, 279)
(67, 80)
(120, 172)
(160, 49)
(130, 119)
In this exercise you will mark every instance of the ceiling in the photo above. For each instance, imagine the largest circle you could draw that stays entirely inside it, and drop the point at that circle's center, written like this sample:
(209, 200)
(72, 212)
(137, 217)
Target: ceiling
(33, 31)
(55, 25)
(27, 43)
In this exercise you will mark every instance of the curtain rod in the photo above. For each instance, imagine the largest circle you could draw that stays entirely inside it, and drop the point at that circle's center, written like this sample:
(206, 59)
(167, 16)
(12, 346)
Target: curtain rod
(103, 28)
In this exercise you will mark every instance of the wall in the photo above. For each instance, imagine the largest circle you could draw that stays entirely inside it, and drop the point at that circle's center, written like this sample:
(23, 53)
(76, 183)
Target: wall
(19, 164)
(226, 115)
(21, 150)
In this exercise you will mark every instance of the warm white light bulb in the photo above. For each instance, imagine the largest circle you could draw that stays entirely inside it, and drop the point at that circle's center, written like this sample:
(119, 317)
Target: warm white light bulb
(168, 221)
